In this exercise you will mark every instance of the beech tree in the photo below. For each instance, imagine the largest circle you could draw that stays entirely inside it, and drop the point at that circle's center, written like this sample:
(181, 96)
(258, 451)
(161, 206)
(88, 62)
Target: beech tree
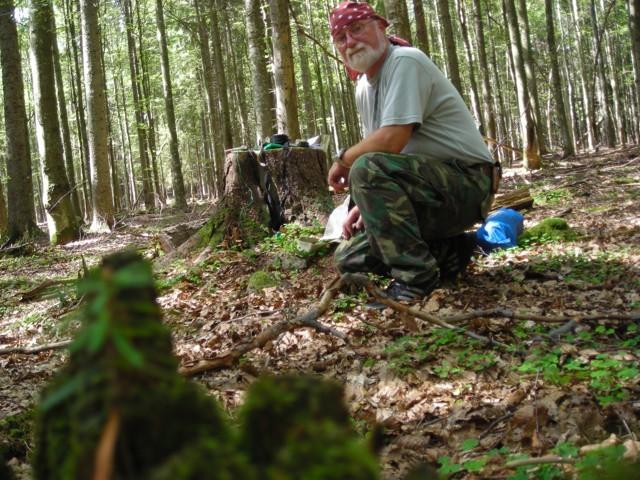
(21, 217)
(62, 222)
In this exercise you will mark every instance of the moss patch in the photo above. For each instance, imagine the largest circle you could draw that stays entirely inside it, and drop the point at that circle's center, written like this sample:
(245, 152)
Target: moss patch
(550, 229)
(261, 279)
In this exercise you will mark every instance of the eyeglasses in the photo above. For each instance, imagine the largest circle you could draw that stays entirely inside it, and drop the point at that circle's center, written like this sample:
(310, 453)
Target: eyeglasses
(355, 29)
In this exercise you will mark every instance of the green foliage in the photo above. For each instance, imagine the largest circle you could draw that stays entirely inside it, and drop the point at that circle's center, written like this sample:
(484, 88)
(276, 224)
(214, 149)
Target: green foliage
(261, 279)
(551, 197)
(593, 269)
(286, 240)
(608, 376)
(550, 229)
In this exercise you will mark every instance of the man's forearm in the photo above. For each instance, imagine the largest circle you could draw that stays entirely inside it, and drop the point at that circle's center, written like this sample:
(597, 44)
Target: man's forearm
(391, 139)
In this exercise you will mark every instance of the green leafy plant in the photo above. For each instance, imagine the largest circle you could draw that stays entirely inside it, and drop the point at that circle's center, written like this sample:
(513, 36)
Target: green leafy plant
(286, 240)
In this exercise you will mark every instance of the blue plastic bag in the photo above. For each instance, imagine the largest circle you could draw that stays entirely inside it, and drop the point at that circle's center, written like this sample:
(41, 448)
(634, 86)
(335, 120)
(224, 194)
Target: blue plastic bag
(500, 230)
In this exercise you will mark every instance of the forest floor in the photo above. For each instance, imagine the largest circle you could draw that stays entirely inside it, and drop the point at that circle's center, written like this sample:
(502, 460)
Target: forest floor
(441, 396)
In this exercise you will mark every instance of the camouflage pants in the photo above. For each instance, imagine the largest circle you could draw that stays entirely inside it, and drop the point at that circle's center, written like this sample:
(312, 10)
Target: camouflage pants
(414, 211)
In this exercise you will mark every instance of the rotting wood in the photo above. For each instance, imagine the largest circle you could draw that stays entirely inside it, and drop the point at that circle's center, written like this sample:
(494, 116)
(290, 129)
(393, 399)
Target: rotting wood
(519, 199)
(32, 350)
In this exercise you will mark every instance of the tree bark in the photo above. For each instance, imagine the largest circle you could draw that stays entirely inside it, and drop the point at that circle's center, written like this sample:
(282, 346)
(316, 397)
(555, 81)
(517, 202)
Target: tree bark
(259, 74)
(177, 180)
(21, 215)
(531, 150)
(62, 222)
(450, 44)
(97, 128)
(475, 98)
(145, 167)
(487, 95)
(307, 86)
(422, 33)
(634, 32)
(286, 97)
(221, 77)
(556, 83)
(397, 15)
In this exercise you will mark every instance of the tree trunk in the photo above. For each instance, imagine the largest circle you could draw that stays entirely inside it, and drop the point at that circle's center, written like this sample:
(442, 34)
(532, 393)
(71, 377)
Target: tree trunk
(397, 15)
(585, 82)
(286, 97)
(604, 92)
(450, 44)
(177, 180)
(145, 167)
(21, 219)
(556, 83)
(3, 212)
(487, 96)
(66, 134)
(62, 222)
(422, 33)
(221, 77)
(307, 86)
(97, 128)
(259, 74)
(634, 32)
(475, 100)
(527, 59)
(531, 150)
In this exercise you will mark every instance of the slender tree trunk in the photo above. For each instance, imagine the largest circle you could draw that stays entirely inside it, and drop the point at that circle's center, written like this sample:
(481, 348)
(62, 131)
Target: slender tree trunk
(618, 110)
(397, 15)
(475, 100)
(487, 95)
(422, 33)
(527, 58)
(97, 131)
(585, 83)
(74, 41)
(176, 165)
(450, 44)
(66, 134)
(556, 83)
(146, 168)
(62, 222)
(21, 219)
(286, 97)
(634, 32)
(305, 76)
(528, 131)
(221, 77)
(260, 75)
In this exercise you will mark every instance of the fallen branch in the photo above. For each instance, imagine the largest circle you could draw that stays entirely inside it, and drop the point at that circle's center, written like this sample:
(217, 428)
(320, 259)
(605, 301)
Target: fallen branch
(363, 281)
(308, 319)
(507, 313)
(540, 461)
(40, 348)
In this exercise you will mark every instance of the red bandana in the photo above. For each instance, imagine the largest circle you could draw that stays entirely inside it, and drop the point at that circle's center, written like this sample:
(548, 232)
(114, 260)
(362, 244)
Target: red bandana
(348, 12)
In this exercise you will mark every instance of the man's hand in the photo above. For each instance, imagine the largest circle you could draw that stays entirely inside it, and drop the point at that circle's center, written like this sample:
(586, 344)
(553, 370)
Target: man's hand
(338, 177)
(352, 224)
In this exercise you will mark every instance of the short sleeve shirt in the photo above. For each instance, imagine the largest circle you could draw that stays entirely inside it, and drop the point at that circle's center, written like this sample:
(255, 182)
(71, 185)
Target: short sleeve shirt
(410, 89)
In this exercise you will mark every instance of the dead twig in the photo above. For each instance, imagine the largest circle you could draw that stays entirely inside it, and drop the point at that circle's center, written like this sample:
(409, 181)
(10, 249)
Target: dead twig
(540, 461)
(31, 350)
(308, 319)
(507, 313)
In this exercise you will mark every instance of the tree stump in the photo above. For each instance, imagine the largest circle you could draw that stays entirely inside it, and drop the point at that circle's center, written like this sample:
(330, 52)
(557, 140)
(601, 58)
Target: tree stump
(300, 176)
(265, 190)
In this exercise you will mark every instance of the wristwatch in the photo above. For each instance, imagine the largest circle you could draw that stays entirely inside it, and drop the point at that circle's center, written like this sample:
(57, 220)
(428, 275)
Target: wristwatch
(339, 159)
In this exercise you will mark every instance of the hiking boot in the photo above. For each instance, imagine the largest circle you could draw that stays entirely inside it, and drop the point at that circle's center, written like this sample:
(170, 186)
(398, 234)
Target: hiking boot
(400, 292)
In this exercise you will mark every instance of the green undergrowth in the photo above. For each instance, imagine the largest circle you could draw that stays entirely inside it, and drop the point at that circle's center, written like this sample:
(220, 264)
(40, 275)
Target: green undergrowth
(549, 230)
(605, 463)
(287, 240)
(549, 197)
(15, 435)
(594, 269)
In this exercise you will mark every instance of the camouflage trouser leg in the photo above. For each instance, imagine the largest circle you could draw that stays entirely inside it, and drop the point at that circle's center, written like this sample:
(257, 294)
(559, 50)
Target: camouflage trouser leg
(408, 202)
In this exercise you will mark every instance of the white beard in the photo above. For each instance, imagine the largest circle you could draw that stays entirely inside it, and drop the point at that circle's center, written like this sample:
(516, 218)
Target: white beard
(361, 57)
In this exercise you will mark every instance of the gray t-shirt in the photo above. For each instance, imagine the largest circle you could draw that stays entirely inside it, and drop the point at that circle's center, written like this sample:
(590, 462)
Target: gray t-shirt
(410, 89)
